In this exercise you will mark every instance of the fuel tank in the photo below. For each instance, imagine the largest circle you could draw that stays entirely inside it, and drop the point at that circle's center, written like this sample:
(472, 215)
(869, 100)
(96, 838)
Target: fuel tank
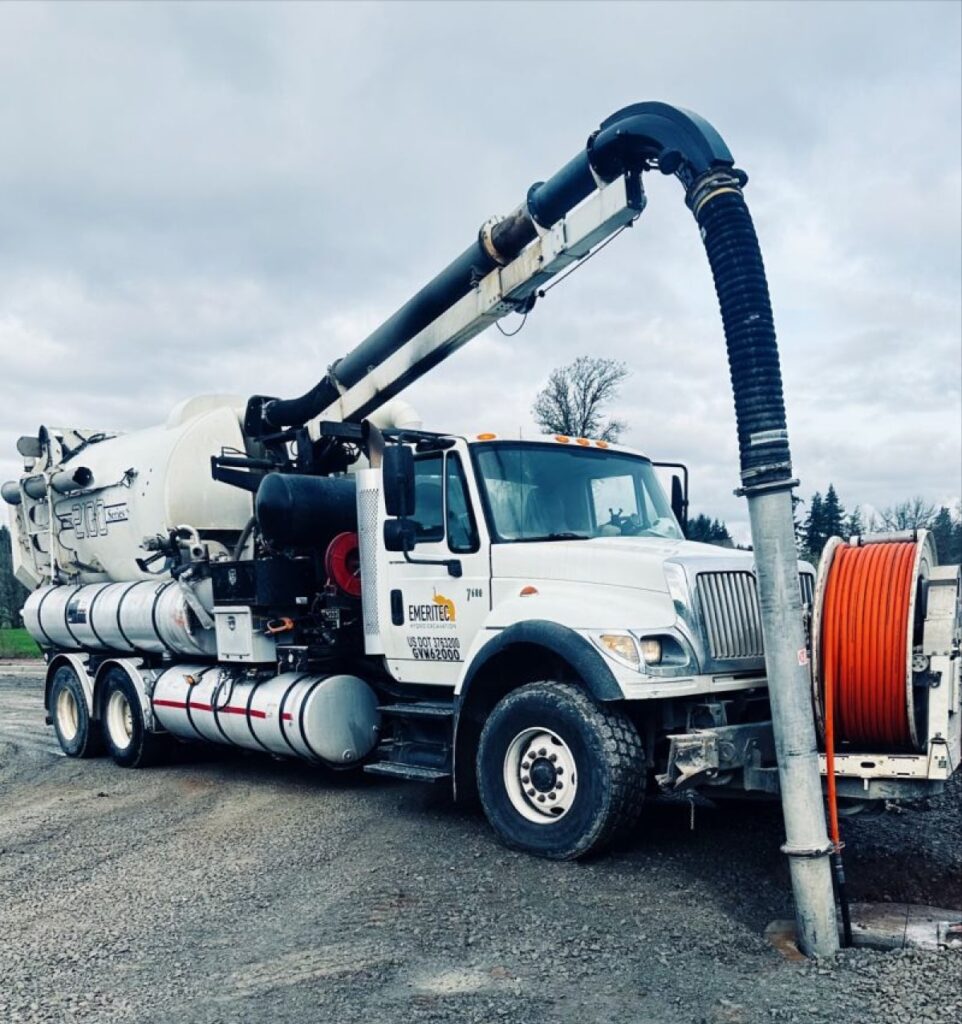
(330, 719)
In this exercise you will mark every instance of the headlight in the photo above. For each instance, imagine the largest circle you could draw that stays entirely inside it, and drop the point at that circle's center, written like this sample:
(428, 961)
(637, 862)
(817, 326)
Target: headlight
(621, 646)
(651, 651)
(658, 655)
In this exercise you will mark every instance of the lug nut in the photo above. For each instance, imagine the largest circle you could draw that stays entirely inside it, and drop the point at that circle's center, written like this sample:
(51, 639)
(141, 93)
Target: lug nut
(531, 791)
(525, 779)
(553, 758)
(551, 796)
(559, 785)
(541, 798)
(560, 770)
(542, 752)
(525, 765)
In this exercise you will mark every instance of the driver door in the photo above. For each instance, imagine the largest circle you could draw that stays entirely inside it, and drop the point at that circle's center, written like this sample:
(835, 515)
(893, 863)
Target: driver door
(435, 615)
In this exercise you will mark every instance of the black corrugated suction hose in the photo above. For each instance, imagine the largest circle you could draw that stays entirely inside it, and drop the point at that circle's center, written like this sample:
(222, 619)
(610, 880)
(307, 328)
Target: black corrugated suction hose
(736, 264)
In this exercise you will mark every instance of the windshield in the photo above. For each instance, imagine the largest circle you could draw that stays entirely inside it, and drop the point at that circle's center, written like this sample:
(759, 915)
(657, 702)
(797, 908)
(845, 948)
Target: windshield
(552, 492)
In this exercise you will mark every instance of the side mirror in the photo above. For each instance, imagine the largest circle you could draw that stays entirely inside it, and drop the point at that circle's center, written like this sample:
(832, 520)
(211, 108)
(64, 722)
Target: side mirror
(399, 535)
(397, 468)
(679, 501)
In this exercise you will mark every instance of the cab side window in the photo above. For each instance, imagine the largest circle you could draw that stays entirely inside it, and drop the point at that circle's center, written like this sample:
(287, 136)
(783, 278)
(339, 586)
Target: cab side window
(428, 518)
(462, 531)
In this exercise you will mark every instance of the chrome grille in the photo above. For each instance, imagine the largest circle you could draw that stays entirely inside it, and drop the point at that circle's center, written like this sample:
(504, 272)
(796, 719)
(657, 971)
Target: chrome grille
(729, 608)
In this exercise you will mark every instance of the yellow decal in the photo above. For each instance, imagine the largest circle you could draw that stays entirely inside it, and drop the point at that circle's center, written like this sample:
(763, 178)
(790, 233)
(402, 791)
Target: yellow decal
(447, 603)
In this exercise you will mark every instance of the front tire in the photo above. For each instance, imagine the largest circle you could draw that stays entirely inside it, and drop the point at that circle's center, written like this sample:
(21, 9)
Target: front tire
(559, 776)
(124, 729)
(77, 733)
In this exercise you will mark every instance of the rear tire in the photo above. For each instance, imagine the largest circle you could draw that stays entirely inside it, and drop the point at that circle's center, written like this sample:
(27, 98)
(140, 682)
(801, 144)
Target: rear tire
(77, 733)
(124, 730)
(559, 776)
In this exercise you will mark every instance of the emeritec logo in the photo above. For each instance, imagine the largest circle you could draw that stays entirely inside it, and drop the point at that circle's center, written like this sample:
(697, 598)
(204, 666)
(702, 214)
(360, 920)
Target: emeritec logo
(441, 609)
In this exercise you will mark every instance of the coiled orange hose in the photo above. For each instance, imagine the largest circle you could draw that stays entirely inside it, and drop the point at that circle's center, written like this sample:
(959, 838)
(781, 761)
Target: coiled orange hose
(864, 634)
(863, 657)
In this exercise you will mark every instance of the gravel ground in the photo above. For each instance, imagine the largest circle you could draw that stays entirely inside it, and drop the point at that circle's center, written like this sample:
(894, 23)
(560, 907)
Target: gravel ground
(233, 888)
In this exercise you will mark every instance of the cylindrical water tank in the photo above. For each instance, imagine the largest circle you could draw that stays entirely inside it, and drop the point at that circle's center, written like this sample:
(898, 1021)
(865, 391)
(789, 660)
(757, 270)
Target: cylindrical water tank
(329, 719)
(305, 511)
(142, 617)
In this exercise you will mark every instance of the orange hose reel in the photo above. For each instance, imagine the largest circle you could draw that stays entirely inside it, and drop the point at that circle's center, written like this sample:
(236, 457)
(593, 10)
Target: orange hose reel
(869, 610)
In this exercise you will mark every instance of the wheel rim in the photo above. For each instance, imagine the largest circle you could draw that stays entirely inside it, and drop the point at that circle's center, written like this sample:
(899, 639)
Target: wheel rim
(540, 775)
(68, 715)
(120, 720)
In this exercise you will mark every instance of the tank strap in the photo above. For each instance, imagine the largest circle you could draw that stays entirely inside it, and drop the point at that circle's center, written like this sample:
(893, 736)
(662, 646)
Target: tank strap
(250, 723)
(90, 618)
(120, 628)
(300, 717)
(190, 717)
(280, 712)
(66, 616)
(153, 616)
(50, 590)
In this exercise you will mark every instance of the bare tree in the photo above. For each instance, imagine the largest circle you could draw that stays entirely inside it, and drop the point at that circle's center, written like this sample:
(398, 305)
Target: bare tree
(573, 400)
(914, 514)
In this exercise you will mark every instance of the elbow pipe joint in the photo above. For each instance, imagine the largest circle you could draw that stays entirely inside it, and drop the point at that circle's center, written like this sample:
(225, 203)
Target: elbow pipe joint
(634, 139)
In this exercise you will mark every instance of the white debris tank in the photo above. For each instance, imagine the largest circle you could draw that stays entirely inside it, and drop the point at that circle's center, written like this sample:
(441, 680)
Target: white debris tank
(84, 509)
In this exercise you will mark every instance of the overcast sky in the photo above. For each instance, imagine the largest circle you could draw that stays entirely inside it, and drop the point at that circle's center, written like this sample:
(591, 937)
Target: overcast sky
(207, 197)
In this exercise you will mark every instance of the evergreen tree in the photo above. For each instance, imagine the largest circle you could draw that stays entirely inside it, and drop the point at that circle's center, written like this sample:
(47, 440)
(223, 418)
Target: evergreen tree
(833, 516)
(947, 534)
(813, 528)
(12, 593)
(854, 527)
(708, 531)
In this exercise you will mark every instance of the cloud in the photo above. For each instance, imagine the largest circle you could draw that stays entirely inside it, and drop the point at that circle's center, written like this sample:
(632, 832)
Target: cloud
(227, 198)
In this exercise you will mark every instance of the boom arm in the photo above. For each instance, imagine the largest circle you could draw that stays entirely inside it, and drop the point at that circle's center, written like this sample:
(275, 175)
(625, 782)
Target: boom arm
(507, 288)
(510, 259)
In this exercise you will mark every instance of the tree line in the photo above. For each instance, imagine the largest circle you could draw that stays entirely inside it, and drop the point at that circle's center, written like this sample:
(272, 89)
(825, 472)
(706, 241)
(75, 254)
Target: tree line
(826, 517)
(12, 592)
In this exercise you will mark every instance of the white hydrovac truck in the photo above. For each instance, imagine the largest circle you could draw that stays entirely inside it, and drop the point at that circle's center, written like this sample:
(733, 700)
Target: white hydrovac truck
(524, 620)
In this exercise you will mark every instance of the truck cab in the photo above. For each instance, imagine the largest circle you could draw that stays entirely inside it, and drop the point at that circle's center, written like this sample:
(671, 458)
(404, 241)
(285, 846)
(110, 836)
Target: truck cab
(571, 533)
